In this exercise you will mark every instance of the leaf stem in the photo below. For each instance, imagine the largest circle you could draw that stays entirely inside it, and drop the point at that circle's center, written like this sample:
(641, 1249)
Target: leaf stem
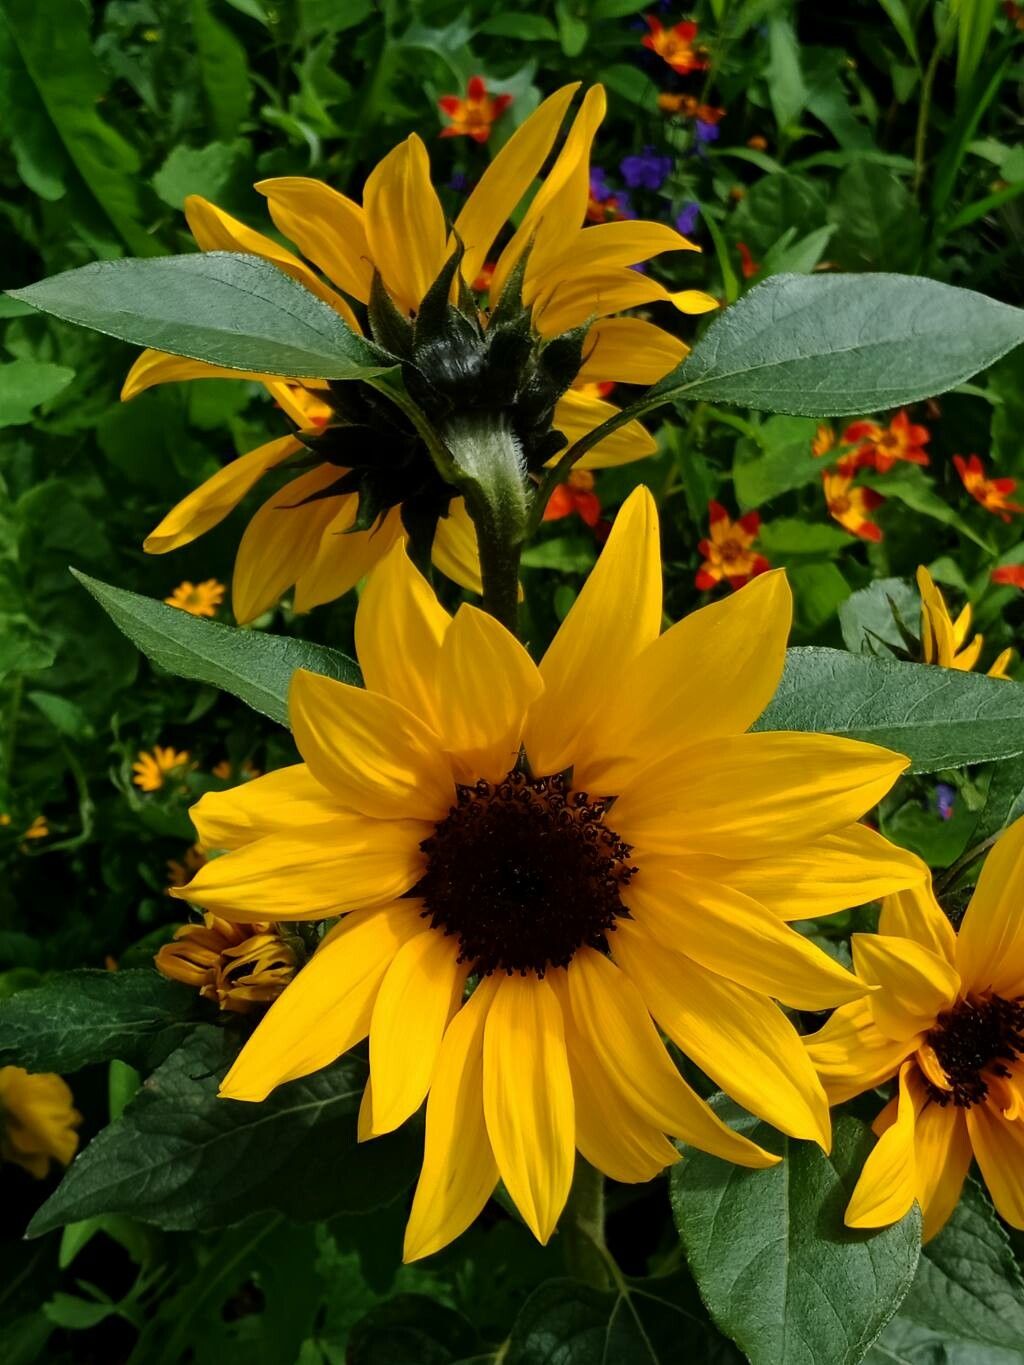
(925, 106)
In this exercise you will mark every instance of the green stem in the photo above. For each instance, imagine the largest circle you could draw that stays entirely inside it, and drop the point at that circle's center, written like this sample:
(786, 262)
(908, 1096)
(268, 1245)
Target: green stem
(586, 1253)
(924, 108)
(951, 873)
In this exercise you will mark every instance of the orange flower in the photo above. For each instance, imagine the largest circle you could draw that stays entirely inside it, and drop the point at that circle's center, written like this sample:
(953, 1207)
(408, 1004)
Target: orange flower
(852, 506)
(689, 106)
(1011, 575)
(748, 266)
(597, 388)
(728, 553)
(880, 447)
(482, 283)
(758, 143)
(575, 495)
(675, 45)
(473, 115)
(824, 441)
(198, 599)
(1015, 13)
(993, 494)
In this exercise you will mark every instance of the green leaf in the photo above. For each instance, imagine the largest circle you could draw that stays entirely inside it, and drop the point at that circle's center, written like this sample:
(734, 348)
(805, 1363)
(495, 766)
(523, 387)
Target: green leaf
(786, 87)
(866, 617)
(657, 1321)
(938, 717)
(786, 461)
(25, 384)
(530, 28)
(225, 307)
(876, 219)
(779, 1271)
(252, 665)
(788, 540)
(212, 171)
(915, 490)
(183, 1159)
(411, 1329)
(75, 1019)
(223, 69)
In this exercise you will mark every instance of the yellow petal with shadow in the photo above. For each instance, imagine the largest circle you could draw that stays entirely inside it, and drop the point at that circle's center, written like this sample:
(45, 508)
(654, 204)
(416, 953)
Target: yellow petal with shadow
(629, 351)
(287, 801)
(990, 944)
(851, 1054)
(327, 227)
(156, 367)
(914, 984)
(405, 224)
(577, 414)
(344, 557)
(887, 1186)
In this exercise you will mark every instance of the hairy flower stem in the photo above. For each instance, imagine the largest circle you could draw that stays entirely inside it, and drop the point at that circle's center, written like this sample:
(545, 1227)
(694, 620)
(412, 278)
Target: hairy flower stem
(587, 1256)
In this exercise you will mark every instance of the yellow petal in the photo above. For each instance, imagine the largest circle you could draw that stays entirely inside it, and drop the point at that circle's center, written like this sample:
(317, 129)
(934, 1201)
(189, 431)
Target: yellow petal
(344, 556)
(914, 983)
(455, 550)
(281, 541)
(211, 502)
(327, 227)
(915, 913)
(459, 1171)
(507, 179)
(628, 243)
(747, 796)
(999, 1147)
(835, 872)
(742, 1040)
(215, 230)
(851, 1054)
(420, 992)
(399, 628)
(599, 292)
(617, 613)
(405, 223)
(371, 753)
(942, 1155)
(528, 1100)
(288, 801)
(732, 935)
(610, 1015)
(155, 367)
(990, 945)
(326, 1009)
(577, 413)
(486, 682)
(712, 673)
(937, 632)
(341, 865)
(888, 1183)
(629, 351)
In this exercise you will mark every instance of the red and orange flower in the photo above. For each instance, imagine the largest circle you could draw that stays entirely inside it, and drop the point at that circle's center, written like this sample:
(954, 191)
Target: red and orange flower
(993, 494)
(1009, 575)
(675, 45)
(473, 114)
(728, 553)
(851, 505)
(575, 495)
(878, 447)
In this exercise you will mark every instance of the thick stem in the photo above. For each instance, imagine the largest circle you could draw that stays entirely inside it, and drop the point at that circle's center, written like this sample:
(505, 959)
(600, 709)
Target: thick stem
(499, 566)
(586, 1255)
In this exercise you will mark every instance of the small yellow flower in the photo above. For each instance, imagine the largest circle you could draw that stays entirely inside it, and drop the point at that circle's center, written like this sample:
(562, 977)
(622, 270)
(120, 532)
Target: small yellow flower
(198, 599)
(37, 1120)
(946, 1022)
(593, 841)
(181, 872)
(151, 770)
(38, 829)
(944, 641)
(240, 966)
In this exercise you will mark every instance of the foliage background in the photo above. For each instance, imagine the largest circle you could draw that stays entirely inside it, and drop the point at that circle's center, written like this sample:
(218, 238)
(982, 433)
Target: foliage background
(890, 141)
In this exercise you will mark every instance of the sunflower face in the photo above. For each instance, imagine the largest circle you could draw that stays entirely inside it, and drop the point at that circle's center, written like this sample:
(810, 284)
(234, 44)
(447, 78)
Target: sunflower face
(537, 866)
(484, 323)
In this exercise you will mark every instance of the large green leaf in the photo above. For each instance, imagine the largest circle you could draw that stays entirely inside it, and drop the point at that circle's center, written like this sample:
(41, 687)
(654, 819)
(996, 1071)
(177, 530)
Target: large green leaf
(225, 307)
(78, 1018)
(181, 1158)
(411, 1329)
(250, 664)
(775, 1264)
(938, 717)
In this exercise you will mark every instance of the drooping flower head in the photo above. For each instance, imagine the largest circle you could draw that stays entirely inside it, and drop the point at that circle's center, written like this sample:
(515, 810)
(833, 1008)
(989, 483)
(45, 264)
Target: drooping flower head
(993, 494)
(944, 641)
(198, 599)
(473, 114)
(238, 966)
(37, 1120)
(151, 770)
(531, 862)
(729, 554)
(879, 448)
(676, 45)
(946, 1022)
(372, 481)
(851, 505)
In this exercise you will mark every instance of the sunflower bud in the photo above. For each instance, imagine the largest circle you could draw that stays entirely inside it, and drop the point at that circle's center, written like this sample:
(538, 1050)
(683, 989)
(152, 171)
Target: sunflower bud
(240, 966)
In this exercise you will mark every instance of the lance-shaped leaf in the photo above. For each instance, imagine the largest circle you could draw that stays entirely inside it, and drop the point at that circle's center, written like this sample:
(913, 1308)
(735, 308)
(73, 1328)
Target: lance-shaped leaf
(250, 664)
(224, 307)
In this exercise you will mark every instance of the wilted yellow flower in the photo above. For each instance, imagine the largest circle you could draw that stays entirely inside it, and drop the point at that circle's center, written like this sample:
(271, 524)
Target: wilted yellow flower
(198, 599)
(240, 966)
(592, 842)
(944, 641)
(151, 770)
(37, 1120)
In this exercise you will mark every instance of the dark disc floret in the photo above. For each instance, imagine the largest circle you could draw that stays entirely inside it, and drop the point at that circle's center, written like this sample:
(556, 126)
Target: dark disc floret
(972, 1041)
(524, 872)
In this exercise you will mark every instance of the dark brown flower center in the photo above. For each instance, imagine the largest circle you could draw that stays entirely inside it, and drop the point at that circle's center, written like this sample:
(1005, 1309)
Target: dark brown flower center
(524, 872)
(972, 1041)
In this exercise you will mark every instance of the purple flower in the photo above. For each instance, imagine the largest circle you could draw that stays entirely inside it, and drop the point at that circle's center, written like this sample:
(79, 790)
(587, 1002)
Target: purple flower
(647, 170)
(599, 187)
(944, 799)
(706, 132)
(459, 182)
(687, 218)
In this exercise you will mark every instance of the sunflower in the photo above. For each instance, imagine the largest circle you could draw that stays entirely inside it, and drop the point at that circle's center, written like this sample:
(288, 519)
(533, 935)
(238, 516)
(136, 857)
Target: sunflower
(947, 1023)
(151, 770)
(329, 525)
(531, 862)
(944, 641)
(198, 599)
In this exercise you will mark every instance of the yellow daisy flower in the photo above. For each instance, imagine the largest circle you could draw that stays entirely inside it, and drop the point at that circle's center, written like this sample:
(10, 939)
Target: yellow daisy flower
(332, 523)
(947, 1019)
(151, 770)
(944, 641)
(37, 1120)
(198, 599)
(590, 843)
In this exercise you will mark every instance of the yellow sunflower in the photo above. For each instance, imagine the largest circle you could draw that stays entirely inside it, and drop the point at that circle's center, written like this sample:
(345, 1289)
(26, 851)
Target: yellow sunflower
(582, 845)
(947, 1022)
(944, 641)
(198, 599)
(37, 1120)
(334, 521)
(151, 770)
